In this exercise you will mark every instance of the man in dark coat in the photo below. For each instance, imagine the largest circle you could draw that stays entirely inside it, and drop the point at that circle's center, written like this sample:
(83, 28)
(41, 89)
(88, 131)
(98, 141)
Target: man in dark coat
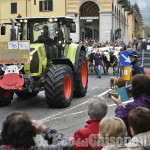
(137, 66)
(19, 131)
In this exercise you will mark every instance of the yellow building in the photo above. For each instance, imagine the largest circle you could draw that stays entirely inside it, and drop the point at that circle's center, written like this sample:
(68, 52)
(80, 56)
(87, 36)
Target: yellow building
(135, 26)
(105, 20)
(29, 8)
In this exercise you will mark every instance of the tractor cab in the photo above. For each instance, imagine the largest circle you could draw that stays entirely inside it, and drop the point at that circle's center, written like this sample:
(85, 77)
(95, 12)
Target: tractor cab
(52, 31)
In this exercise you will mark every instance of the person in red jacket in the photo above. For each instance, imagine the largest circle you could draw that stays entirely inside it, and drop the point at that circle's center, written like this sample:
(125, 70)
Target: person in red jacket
(85, 138)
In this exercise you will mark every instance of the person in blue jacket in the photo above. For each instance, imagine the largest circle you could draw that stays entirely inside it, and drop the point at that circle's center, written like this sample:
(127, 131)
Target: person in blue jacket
(137, 67)
(97, 61)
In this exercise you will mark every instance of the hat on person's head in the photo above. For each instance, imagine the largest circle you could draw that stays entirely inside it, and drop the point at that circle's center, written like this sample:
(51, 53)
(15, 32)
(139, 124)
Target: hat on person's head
(134, 54)
(140, 38)
(122, 49)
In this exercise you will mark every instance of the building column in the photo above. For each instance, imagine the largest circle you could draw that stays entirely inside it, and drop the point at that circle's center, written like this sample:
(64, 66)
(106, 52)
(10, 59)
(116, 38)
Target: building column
(126, 33)
(99, 27)
(116, 22)
(75, 36)
(122, 29)
(105, 26)
(93, 33)
(118, 26)
(114, 26)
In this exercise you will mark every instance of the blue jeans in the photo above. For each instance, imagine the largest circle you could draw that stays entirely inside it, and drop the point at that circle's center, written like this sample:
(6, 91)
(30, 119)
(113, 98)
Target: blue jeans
(98, 70)
(121, 70)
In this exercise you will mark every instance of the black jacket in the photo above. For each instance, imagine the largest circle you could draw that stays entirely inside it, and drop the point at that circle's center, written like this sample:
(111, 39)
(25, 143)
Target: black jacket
(137, 68)
(56, 141)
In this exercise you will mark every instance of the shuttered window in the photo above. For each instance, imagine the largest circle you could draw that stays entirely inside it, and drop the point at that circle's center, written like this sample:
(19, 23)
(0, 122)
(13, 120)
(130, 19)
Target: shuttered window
(46, 5)
(13, 8)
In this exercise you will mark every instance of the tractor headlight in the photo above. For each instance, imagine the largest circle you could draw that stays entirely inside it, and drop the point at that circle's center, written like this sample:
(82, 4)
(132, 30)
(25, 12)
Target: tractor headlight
(56, 32)
(25, 21)
(59, 42)
(55, 19)
(50, 20)
(21, 20)
(31, 58)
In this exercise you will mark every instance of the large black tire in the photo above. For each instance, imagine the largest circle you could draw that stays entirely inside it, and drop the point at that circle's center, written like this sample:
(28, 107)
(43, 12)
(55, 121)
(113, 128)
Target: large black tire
(26, 94)
(81, 79)
(5, 97)
(55, 84)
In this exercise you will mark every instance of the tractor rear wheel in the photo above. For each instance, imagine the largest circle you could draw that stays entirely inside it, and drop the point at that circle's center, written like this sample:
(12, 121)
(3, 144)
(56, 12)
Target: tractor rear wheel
(26, 94)
(59, 86)
(5, 97)
(81, 76)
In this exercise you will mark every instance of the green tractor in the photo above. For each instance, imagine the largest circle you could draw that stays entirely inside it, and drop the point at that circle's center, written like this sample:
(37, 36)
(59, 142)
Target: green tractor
(56, 65)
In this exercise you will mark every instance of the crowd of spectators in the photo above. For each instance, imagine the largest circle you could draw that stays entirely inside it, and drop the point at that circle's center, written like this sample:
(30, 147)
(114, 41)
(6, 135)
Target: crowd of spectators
(138, 44)
(97, 44)
(128, 130)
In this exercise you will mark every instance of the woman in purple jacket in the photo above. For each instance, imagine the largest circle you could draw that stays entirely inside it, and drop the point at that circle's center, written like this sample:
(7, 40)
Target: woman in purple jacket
(141, 95)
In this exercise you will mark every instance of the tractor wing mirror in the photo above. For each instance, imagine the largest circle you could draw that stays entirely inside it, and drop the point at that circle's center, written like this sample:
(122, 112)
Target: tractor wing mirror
(3, 30)
(72, 28)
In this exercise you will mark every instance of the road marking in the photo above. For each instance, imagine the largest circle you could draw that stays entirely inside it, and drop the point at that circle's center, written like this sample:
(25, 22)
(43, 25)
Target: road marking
(49, 117)
(53, 116)
(76, 113)
(104, 93)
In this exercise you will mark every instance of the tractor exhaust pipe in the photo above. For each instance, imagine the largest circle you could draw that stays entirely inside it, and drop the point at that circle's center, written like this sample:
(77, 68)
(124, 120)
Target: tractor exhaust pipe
(13, 31)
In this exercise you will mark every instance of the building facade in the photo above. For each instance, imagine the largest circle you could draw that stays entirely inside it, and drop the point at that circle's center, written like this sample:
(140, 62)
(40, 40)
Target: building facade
(104, 20)
(28, 8)
(135, 26)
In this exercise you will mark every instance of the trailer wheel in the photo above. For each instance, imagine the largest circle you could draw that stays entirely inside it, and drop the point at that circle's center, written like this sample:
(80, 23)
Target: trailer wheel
(59, 86)
(5, 97)
(81, 76)
(26, 94)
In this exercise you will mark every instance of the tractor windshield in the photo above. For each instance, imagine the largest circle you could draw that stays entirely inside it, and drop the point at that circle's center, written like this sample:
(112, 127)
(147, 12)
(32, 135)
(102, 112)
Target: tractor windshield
(43, 32)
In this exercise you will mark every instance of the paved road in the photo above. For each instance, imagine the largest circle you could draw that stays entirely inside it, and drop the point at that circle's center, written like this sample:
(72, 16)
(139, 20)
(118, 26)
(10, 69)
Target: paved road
(66, 120)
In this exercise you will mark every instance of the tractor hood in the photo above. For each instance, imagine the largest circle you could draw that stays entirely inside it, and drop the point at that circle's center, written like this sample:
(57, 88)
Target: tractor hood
(38, 60)
(34, 47)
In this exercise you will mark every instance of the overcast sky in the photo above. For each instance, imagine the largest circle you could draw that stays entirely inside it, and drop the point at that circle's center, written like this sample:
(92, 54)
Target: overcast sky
(145, 10)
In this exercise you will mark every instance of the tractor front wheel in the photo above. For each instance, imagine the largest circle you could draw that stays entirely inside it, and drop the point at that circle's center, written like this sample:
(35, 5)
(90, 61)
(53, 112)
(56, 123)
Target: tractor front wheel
(81, 76)
(59, 86)
(5, 97)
